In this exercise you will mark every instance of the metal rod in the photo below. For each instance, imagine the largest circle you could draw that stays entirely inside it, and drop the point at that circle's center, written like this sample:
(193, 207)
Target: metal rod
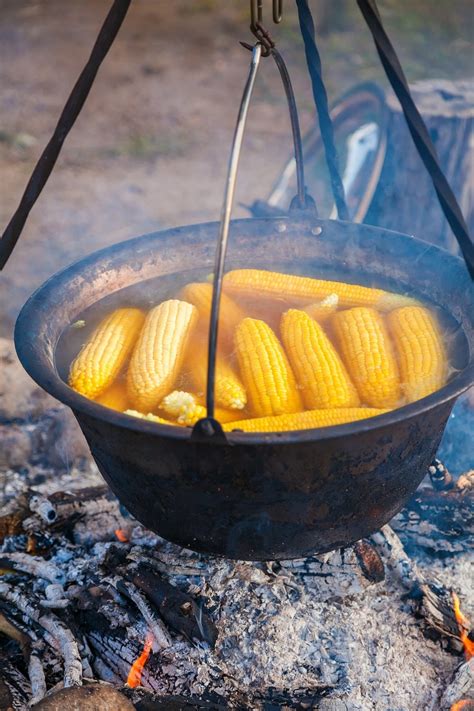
(313, 61)
(419, 132)
(69, 114)
(224, 226)
(295, 126)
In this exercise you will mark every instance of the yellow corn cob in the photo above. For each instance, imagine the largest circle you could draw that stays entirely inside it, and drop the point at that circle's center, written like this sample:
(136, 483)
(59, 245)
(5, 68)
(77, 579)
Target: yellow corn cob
(115, 396)
(303, 290)
(183, 407)
(265, 370)
(368, 354)
(105, 354)
(421, 353)
(150, 417)
(230, 314)
(159, 353)
(318, 368)
(322, 310)
(187, 410)
(222, 415)
(229, 390)
(304, 420)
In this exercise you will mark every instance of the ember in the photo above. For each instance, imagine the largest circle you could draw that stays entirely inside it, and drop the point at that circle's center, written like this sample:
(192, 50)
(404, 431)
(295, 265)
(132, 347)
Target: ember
(463, 705)
(464, 625)
(122, 535)
(135, 675)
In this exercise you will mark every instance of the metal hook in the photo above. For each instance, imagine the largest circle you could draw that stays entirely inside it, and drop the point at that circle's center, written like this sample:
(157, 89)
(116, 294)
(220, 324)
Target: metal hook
(277, 11)
(256, 12)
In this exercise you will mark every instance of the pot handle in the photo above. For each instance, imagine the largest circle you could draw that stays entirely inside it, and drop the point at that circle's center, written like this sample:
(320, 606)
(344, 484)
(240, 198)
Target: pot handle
(208, 427)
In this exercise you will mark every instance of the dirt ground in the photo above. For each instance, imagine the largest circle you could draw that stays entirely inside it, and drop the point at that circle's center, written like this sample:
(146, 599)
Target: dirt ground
(151, 145)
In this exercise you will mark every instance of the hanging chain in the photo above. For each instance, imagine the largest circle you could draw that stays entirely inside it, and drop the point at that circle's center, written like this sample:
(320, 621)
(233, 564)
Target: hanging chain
(256, 27)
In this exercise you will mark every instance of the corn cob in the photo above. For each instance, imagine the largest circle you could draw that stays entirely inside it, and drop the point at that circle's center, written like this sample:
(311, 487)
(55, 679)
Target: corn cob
(222, 415)
(115, 396)
(187, 410)
(265, 370)
(150, 417)
(230, 314)
(368, 354)
(322, 310)
(104, 355)
(304, 420)
(303, 290)
(183, 407)
(159, 353)
(229, 390)
(421, 353)
(319, 370)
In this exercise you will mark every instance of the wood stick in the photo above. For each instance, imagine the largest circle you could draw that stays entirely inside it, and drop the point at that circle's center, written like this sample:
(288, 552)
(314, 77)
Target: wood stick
(66, 644)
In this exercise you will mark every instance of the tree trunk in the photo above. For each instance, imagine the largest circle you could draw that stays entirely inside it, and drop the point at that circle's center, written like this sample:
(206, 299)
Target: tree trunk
(405, 199)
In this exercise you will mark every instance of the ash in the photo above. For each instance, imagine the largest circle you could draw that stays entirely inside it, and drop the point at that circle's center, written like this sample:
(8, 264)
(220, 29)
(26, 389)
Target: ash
(367, 628)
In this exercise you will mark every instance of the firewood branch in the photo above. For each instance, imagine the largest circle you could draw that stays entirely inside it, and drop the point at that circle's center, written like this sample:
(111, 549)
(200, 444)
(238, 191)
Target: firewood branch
(65, 643)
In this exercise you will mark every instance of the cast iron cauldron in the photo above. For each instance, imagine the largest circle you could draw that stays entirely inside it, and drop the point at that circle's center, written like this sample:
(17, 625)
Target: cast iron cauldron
(259, 496)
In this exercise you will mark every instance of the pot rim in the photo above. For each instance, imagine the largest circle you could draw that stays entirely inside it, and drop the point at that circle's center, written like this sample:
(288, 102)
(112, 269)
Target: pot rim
(47, 377)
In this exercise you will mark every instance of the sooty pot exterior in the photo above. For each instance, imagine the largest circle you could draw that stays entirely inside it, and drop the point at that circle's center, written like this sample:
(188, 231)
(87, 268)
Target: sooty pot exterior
(270, 495)
(271, 501)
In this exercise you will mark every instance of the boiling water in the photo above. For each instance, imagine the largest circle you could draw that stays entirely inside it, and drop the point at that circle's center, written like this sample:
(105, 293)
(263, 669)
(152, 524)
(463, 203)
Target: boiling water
(148, 294)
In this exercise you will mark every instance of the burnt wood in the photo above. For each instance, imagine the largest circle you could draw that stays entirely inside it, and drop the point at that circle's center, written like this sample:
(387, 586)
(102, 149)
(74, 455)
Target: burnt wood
(178, 610)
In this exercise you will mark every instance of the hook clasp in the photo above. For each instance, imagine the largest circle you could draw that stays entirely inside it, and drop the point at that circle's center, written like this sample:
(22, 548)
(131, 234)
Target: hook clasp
(256, 12)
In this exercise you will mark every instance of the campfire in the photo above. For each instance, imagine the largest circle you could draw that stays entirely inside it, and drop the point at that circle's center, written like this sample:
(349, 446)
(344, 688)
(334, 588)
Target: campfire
(88, 597)
(464, 628)
(263, 428)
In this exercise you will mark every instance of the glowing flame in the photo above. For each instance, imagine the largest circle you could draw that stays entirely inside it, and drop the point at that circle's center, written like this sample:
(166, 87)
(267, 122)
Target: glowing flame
(463, 624)
(135, 674)
(121, 535)
(463, 704)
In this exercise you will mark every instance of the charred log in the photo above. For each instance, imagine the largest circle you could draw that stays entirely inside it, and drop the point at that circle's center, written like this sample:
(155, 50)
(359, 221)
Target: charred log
(461, 686)
(440, 477)
(61, 635)
(337, 574)
(441, 522)
(158, 630)
(179, 610)
(32, 512)
(144, 701)
(15, 690)
(432, 601)
(370, 561)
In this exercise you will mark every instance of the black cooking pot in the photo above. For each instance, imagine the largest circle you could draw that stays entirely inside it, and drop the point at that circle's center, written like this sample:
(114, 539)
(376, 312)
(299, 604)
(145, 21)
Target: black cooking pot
(260, 496)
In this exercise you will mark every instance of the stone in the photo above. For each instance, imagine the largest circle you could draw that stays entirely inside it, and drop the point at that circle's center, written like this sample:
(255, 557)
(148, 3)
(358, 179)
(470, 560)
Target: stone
(20, 397)
(93, 697)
